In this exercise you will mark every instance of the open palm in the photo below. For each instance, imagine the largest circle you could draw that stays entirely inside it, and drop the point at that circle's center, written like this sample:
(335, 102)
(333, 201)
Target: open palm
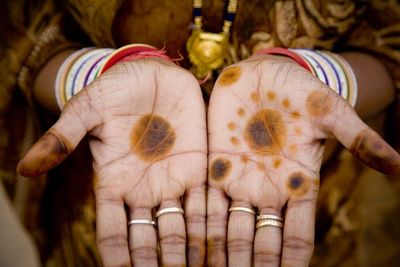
(149, 146)
(268, 119)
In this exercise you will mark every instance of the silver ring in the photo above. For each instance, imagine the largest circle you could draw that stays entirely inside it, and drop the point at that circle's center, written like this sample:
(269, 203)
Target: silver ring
(269, 217)
(248, 210)
(141, 221)
(169, 210)
(269, 222)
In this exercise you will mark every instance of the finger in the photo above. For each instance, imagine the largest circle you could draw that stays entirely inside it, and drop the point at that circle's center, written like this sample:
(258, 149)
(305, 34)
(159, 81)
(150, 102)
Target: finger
(240, 236)
(217, 218)
(334, 115)
(268, 242)
(298, 236)
(195, 217)
(142, 239)
(112, 235)
(172, 234)
(77, 118)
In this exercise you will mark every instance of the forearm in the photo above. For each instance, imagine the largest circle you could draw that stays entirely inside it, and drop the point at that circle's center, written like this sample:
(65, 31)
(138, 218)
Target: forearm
(44, 85)
(375, 86)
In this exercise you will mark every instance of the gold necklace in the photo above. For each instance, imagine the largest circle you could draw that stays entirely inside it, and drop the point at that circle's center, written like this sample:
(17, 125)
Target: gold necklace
(206, 49)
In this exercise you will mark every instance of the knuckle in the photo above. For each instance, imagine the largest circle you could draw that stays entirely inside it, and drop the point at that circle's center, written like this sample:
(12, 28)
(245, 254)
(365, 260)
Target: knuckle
(113, 241)
(239, 245)
(143, 253)
(266, 256)
(216, 242)
(298, 244)
(172, 239)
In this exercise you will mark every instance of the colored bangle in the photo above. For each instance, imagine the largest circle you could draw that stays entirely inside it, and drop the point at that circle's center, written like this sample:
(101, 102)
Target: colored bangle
(132, 52)
(286, 52)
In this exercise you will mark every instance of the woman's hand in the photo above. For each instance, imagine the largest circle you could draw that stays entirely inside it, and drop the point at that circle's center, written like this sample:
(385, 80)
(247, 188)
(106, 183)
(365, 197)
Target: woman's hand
(268, 119)
(147, 120)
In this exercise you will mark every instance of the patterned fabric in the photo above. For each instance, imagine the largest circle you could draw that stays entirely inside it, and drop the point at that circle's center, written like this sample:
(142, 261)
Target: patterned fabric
(358, 209)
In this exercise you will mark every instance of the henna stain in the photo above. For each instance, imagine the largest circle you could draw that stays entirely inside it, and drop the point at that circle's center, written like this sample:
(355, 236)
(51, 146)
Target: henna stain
(293, 148)
(231, 126)
(319, 103)
(220, 168)
(286, 103)
(241, 112)
(244, 158)
(298, 131)
(230, 76)
(255, 96)
(271, 95)
(298, 184)
(265, 132)
(277, 162)
(372, 150)
(152, 137)
(49, 151)
(295, 115)
(235, 141)
(261, 166)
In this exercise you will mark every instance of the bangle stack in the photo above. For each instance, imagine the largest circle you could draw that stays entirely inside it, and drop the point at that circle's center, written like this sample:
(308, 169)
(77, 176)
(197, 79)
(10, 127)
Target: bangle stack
(84, 65)
(330, 68)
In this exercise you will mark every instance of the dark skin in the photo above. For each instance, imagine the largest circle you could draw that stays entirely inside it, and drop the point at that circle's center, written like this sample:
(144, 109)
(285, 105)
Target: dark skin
(261, 126)
(149, 148)
(278, 114)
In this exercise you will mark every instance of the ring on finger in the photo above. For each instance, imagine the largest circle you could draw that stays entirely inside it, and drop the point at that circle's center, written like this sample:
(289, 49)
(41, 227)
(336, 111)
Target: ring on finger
(141, 221)
(248, 210)
(269, 222)
(169, 210)
(269, 216)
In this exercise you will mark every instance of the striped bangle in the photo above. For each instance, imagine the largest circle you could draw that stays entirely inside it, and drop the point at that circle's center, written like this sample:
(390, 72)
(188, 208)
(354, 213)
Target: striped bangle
(83, 66)
(336, 72)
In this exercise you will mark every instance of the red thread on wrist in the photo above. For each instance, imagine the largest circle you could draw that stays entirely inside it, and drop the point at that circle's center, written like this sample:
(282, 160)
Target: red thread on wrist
(285, 52)
(132, 52)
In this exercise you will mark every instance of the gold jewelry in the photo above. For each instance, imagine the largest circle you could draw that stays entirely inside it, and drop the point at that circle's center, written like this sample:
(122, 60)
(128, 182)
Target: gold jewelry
(169, 210)
(269, 222)
(207, 50)
(248, 210)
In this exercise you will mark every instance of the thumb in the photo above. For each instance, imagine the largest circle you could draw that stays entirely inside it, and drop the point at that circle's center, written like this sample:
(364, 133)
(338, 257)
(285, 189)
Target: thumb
(77, 118)
(338, 118)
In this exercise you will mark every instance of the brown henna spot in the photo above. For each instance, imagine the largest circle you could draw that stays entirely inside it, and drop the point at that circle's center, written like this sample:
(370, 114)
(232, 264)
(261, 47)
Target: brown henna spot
(271, 95)
(286, 103)
(230, 76)
(298, 130)
(49, 151)
(293, 149)
(241, 112)
(277, 162)
(235, 141)
(295, 115)
(265, 132)
(231, 126)
(298, 184)
(244, 158)
(261, 166)
(220, 168)
(372, 150)
(152, 138)
(255, 96)
(319, 103)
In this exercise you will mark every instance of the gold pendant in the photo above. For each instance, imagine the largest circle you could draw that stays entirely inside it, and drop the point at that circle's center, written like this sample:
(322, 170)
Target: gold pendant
(206, 51)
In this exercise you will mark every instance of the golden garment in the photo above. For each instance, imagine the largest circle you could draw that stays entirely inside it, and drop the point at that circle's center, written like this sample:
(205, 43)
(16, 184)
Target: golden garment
(358, 209)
